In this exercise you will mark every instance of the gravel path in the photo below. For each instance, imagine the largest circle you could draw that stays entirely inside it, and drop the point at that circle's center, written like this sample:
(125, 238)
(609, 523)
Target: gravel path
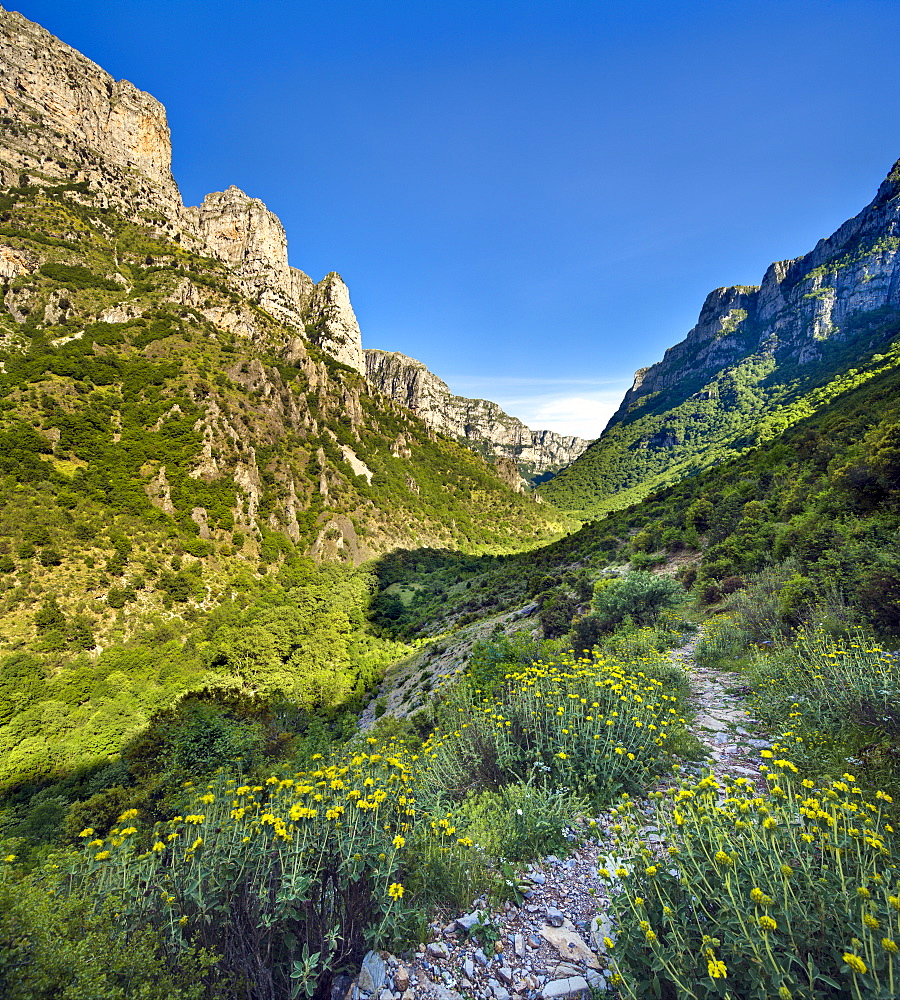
(551, 946)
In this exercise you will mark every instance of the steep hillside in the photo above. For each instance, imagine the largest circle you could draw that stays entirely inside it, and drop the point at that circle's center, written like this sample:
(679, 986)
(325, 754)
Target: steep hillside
(477, 423)
(817, 510)
(126, 314)
(193, 466)
(758, 360)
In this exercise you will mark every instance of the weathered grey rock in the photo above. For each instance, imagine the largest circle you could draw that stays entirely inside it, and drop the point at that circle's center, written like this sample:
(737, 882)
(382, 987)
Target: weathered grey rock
(476, 422)
(467, 921)
(481, 958)
(243, 233)
(505, 974)
(469, 969)
(555, 917)
(519, 945)
(401, 978)
(440, 992)
(372, 974)
(597, 980)
(78, 107)
(569, 987)
(569, 945)
(438, 949)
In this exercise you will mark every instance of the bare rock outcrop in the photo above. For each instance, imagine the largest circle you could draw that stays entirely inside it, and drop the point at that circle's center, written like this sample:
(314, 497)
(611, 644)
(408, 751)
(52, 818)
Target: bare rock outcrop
(478, 423)
(244, 234)
(800, 306)
(66, 120)
(47, 83)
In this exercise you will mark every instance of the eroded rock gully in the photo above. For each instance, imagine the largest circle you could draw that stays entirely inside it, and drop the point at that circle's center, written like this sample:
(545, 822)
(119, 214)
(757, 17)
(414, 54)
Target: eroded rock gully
(552, 945)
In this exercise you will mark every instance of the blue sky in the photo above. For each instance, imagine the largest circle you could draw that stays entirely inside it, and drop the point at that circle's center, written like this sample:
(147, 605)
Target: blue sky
(532, 198)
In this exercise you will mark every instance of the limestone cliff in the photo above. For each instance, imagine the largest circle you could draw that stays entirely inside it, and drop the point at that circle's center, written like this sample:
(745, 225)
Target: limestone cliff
(801, 307)
(478, 423)
(758, 359)
(243, 233)
(66, 120)
(218, 412)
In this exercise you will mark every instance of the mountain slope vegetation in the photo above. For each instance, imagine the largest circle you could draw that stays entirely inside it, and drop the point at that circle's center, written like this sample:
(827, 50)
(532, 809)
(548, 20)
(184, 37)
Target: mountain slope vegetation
(758, 360)
(216, 538)
(823, 496)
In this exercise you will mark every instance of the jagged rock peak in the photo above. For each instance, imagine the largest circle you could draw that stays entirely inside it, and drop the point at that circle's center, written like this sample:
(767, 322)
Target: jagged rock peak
(333, 324)
(71, 121)
(478, 423)
(42, 78)
(241, 231)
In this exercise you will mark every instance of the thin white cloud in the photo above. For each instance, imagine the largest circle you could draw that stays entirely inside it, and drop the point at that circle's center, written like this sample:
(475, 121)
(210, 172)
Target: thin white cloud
(583, 412)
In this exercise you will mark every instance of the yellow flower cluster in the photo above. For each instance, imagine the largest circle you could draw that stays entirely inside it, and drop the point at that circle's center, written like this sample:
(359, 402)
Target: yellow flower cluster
(352, 812)
(759, 866)
(594, 721)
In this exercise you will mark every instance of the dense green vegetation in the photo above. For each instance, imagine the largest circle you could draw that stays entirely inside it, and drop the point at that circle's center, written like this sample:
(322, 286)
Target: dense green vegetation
(323, 847)
(169, 490)
(199, 590)
(702, 420)
(821, 503)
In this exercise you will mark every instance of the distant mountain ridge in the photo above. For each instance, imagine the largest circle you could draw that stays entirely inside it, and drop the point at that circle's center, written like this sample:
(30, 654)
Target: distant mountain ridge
(759, 359)
(477, 423)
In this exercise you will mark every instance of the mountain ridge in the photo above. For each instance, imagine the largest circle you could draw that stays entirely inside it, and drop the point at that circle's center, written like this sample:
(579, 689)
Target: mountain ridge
(67, 120)
(478, 423)
(755, 362)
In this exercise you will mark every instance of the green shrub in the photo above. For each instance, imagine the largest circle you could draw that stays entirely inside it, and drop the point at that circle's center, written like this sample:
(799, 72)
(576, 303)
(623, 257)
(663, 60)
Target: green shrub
(521, 821)
(308, 870)
(78, 276)
(593, 724)
(722, 640)
(55, 946)
(838, 696)
(639, 596)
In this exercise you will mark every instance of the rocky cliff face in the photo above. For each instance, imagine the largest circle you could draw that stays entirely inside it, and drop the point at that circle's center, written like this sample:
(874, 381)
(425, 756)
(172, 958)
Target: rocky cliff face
(250, 239)
(478, 423)
(66, 120)
(64, 115)
(801, 307)
(216, 400)
(759, 359)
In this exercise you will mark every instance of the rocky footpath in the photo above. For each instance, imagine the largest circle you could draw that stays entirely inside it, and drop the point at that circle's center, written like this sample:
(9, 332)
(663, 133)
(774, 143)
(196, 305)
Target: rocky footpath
(551, 945)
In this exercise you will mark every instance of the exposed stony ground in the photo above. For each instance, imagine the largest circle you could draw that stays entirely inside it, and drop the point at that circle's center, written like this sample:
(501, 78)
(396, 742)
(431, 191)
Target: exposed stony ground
(551, 946)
